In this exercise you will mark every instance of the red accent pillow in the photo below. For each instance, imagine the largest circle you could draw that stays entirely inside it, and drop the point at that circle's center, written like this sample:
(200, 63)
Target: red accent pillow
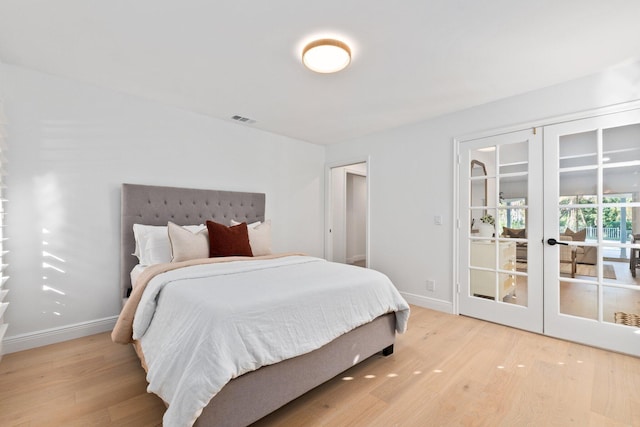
(228, 241)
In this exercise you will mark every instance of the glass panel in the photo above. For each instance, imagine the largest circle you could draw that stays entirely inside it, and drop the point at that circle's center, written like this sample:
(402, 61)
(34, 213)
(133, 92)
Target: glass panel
(579, 185)
(482, 284)
(486, 254)
(522, 264)
(483, 254)
(474, 220)
(578, 149)
(620, 305)
(620, 144)
(616, 266)
(478, 192)
(621, 182)
(515, 219)
(513, 188)
(486, 156)
(514, 157)
(512, 224)
(578, 223)
(617, 221)
(520, 294)
(483, 222)
(579, 299)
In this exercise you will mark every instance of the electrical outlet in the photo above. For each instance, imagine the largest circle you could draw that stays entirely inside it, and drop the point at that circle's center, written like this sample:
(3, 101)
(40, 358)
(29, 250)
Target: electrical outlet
(431, 285)
(437, 220)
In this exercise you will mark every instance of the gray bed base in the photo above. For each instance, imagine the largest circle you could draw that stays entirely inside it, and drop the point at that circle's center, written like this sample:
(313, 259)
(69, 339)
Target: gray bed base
(252, 396)
(256, 394)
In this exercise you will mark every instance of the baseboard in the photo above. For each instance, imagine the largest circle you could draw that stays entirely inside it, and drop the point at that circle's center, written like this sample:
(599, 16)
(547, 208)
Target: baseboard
(426, 302)
(44, 337)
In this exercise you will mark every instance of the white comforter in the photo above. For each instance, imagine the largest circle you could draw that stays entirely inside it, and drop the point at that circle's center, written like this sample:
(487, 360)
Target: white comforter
(201, 326)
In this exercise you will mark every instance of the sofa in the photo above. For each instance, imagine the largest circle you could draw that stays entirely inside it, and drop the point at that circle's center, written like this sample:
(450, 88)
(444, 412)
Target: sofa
(583, 254)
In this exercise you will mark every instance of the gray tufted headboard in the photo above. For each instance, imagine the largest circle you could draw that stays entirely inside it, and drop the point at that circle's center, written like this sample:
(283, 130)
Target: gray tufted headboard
(152, 205)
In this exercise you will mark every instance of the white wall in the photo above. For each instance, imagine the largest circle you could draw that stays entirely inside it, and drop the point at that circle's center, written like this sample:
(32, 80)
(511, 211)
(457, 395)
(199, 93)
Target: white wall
(71, 145)
(411, 176)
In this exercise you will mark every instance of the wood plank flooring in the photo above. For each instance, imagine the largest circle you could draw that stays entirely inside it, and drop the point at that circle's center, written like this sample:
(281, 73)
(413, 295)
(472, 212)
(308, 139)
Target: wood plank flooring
(446, 371)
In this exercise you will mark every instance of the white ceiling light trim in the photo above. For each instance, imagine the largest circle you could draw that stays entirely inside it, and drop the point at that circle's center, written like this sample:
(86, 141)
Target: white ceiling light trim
(326, 56)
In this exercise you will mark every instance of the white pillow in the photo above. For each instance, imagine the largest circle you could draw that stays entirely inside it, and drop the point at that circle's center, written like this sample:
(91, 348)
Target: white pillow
(152, 243)
(259, 237)
(186, 245)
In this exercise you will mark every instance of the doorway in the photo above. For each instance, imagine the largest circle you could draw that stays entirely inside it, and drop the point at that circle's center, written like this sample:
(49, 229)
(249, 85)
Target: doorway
(347, 214)
(549, 226)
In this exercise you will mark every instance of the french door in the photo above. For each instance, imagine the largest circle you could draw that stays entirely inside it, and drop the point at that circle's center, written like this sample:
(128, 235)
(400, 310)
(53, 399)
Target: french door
(560, 255)
(500, 242)
(592, 200)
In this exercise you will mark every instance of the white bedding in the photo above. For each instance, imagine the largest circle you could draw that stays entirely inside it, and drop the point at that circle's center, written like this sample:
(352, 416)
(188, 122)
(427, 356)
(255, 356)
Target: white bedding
(135, 273)
(244, 315)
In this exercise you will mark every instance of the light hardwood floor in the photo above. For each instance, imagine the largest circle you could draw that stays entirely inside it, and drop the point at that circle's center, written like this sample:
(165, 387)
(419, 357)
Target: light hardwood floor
(446, 370)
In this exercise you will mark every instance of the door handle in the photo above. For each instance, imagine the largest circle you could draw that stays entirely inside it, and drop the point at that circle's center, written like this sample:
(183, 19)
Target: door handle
(553, 242)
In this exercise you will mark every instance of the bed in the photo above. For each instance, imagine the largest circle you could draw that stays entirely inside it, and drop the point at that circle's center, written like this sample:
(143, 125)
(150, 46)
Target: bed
(252, 395)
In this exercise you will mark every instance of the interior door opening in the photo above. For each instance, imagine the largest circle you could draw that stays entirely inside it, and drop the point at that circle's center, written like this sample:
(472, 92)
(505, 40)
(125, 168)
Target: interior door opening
(347, 233)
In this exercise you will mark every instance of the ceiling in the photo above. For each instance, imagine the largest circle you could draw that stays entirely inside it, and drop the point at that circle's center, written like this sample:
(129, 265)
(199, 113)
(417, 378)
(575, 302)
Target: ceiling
(412, 60)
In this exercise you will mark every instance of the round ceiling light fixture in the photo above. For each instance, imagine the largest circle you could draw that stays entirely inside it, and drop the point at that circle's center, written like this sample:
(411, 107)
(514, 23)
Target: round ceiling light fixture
(326, 56)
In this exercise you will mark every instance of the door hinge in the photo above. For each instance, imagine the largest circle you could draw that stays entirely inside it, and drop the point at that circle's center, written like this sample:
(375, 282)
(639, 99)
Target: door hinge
(535, 131)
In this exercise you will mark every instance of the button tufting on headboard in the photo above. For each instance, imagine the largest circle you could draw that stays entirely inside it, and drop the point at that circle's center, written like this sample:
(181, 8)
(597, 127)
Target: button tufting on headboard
(152, 205)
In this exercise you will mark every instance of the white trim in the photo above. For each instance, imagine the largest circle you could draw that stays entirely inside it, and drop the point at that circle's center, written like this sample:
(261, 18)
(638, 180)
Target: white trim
(44, 337)
(328, 201)
(431, 303)
(455, 304)
(552, 120)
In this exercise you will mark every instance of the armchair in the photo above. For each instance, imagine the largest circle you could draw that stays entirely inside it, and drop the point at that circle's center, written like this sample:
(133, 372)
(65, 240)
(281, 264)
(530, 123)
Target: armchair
(584, 254)
(568, 254)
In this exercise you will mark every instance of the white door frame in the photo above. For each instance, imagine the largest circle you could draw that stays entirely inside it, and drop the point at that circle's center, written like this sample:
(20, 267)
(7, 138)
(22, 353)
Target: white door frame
(595, 332)
(328, 237)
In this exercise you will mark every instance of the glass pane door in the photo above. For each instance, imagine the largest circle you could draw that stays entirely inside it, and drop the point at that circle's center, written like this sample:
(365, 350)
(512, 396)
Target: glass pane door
(592, 199)
(500, 232)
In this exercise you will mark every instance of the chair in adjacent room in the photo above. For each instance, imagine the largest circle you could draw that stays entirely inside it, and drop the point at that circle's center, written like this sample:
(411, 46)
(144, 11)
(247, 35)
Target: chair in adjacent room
(634, 258)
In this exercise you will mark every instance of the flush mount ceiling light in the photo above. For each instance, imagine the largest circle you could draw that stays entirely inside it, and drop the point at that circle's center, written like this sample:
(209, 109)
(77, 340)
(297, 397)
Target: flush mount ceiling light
(326, 56)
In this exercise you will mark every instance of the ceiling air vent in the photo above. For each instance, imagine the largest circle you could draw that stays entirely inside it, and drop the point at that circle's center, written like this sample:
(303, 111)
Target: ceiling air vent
(241, 119)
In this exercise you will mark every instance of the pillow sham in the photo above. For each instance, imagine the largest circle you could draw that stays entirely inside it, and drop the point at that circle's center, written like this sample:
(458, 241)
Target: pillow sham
(577, 236)
(259, 237)
(516, 233)
(186, 244)
(152, 243)
(228, 241)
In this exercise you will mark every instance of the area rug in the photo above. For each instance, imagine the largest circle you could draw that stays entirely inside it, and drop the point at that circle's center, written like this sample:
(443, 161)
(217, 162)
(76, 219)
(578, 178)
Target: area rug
(581, 270)
(589, 270)
(628, 319)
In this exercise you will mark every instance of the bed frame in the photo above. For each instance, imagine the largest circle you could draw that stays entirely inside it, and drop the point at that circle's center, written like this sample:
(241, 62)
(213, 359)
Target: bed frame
(251, 396)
